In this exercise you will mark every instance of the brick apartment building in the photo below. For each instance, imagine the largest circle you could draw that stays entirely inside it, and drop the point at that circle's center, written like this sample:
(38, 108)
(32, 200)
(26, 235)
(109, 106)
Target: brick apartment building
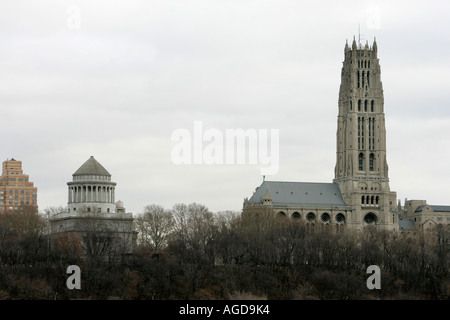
(16, 191)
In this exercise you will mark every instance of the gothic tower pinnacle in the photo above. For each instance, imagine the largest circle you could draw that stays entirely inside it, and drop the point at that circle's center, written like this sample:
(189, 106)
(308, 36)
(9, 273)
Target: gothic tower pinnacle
(361, 167)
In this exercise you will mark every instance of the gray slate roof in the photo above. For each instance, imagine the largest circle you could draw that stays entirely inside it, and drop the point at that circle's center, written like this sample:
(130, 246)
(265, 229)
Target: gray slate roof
(405, 225)
(300, 193)
(92, 167)
(435, 208)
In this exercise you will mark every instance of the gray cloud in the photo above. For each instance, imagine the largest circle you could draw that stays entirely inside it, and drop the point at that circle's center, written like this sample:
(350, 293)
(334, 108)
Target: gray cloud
(134, 71)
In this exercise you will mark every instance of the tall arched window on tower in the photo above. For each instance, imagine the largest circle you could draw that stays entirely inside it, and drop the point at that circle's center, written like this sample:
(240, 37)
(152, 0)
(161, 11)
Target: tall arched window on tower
(359, 105)
(372, 108)
(358, 79)
(371, 162)
(361, 162)
(351, 105)
(365, 105)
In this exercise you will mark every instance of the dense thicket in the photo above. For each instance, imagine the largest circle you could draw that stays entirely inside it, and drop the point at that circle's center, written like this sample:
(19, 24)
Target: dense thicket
(188, 252)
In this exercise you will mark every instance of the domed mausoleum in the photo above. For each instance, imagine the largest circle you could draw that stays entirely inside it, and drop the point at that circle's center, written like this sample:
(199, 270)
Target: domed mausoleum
(93, 212)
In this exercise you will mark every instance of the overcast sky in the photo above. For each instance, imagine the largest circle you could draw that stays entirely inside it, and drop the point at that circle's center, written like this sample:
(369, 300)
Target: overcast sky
(115, 79)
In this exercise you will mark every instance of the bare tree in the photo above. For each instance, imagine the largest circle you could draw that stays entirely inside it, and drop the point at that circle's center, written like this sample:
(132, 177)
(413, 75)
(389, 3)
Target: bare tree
(23, 222)
(97, 238)
(154, 227)
(194, 224)
(193, 242)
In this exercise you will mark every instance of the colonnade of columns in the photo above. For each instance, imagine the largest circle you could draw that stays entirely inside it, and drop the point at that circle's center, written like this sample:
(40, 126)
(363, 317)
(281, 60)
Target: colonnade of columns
(91, 193)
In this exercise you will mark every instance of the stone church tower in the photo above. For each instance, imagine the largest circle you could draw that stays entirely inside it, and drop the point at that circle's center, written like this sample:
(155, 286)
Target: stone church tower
(361, 167)
(359, 195)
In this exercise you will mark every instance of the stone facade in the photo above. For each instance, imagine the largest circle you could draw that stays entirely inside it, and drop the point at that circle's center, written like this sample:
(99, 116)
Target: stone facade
(91, 188)
(425, 216)
(316, 204)
(92, 210)
(361, 172)
(361, 166)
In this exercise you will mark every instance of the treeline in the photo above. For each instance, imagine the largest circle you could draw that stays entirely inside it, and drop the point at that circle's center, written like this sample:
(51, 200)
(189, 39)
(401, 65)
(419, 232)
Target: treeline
(189, 252)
